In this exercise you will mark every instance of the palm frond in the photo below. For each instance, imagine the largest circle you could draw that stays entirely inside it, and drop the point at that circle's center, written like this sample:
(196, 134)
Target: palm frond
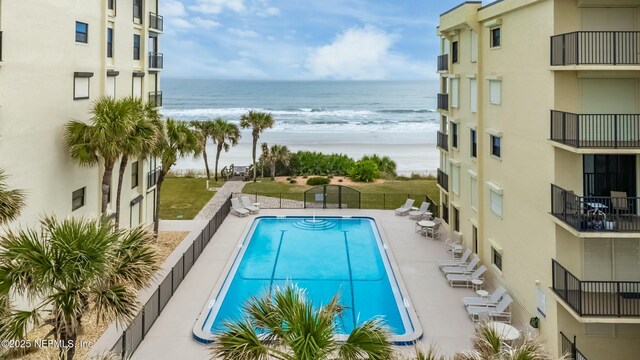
(367, 341)
(11, 201)
(15, 324)
(239, 341)
(114, 302)
(134, 261)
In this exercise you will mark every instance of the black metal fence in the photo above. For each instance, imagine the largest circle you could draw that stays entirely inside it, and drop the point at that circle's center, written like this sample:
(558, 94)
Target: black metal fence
(140, 326)
(443, 180)
(156, 60)
(443, 141)
(331, 197)
(595, 213)
(610, 131)
(155, 98)
(381, 201)
(569, 348)
(443, 62)
(156, 21)
(596, 298)
(443, 101)
(596, 48)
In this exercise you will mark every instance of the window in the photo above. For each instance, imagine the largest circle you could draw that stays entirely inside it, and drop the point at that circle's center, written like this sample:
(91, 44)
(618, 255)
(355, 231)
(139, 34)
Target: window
(496, 258)
(77, 199)
(473, 85)
(111, 4)
(136, 90)
(474, 193)
(454, 135)
(455, 178)
(495, 37)
(495, 92)
(474, 235)
(495, 145)
(81, 85)
(455, 92)
(137, 9)
(136, 47)
(134, 175)
(454, 52)
(474, 143)
(496, 201)
(474, 46)
(109, 42)
(82, 32)
(456, 219)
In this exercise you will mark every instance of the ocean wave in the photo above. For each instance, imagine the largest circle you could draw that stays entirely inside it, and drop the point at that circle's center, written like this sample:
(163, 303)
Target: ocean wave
(237, 112)
(406, 111)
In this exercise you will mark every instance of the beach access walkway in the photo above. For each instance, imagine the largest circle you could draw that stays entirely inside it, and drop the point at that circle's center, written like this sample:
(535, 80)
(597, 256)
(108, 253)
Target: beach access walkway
(219, 198)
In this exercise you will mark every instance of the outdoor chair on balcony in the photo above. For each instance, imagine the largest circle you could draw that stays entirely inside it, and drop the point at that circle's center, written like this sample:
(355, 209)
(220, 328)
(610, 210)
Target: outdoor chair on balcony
(465, 279)
(492, 300)
(404, 209)
(463, 269)
(462, 261)
(619, 202)
(498, 312)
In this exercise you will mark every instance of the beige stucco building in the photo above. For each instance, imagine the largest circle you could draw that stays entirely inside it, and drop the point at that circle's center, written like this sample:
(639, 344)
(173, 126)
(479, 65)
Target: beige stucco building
(56, 58)
(540, 165)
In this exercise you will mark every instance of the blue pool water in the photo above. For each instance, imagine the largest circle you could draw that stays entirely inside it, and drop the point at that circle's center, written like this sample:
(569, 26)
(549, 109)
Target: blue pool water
(325, 256)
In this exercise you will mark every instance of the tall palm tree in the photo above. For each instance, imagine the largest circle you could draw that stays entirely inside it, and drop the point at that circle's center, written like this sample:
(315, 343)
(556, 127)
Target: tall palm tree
(274, 155)
(69, 267)
(140, 141)
(225, 135)
(264, 158)
(176, 140)
(258, 122)
(88, 144)
(204, 130)
(11, 200)
(284, 325)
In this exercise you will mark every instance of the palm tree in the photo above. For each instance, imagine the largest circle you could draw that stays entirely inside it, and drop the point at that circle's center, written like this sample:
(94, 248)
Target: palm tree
(225, 135)
(69, 267)
(11, 201)
(258, 122)
(204, 129)
(88, 144)
(384, 163)
(140, 141)
(176, 140)
(277, 154)
(285, 326)
(264, 158)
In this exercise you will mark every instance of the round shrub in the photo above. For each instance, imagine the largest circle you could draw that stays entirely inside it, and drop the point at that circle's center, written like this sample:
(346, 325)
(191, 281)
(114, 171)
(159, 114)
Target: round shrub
(364, 171)
(293, 181)
(288, 178)
(318, 181)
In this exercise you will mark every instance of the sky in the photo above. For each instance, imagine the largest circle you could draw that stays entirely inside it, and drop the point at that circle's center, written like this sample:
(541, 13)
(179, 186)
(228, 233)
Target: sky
(301, 39)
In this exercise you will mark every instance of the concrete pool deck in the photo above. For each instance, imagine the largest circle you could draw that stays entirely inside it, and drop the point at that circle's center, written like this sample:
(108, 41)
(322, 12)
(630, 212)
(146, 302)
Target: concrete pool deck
(439, 307)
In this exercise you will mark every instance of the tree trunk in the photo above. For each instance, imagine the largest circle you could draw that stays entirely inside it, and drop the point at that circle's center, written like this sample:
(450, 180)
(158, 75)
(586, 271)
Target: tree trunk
(123, 168)
(255, 143)
(106, 186)
(156, 213)
(218, 151)
(70, 342)
(206, 162)
(273, 171)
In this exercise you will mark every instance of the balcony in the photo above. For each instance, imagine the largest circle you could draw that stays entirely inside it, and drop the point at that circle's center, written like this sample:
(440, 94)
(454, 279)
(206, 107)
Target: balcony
(156, 22)
(595, 213)
(443, 180)
(0, 46)
(596, 298)
(569, 348)
(155, 98)
(443, 62)
(152, 177)
(155, 60)
(596, 131)
(596, 48)
(443, 141)
(443, 101)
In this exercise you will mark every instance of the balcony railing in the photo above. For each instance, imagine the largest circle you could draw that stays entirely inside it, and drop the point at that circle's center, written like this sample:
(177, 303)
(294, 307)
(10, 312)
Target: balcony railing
(152, 177)
(155, 98)
(443, 101)
(155, 60)
(443, 180)
(596, 48)
(609, 131)
(596, 298)
(569, 348)
(443, 141)
(595, 213)
(0, 45)
(156, 21)
(443, 62)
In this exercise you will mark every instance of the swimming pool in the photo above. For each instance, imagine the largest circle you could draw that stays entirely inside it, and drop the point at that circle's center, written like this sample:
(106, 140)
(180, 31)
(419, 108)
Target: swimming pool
(324, 255)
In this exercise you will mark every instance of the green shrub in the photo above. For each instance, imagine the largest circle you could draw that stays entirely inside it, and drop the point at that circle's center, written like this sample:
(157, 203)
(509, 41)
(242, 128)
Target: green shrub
(304, 176)
(318, 181)
(364, 171)
(330, 177)
(293, 181)
(311, 162)
(288, 178)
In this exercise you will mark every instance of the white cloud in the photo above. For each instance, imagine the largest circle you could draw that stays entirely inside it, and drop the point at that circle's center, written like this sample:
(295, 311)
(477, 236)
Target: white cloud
(357, 53)
(218, 6)
(205, 23)
(179, 24)
(173, 8)
(243, 33)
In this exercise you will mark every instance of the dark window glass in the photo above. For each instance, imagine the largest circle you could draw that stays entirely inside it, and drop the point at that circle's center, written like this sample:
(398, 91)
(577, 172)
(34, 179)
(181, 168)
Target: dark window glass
(109, 42)
(111, 4)
(134, 175)
(474, 234)
(77, 199)
(454, 52)
(456, 219)
(137, 9)
(82, 32)
(136, 47)
(454, 135)
(497, 258)
(495, 37)
(495, 146)
(474, 144)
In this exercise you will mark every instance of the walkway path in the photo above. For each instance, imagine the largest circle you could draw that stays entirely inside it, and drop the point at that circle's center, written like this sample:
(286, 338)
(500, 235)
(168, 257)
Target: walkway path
(219, 198)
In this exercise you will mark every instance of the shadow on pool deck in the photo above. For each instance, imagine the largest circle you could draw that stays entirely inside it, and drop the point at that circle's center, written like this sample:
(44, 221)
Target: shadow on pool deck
(439, 307)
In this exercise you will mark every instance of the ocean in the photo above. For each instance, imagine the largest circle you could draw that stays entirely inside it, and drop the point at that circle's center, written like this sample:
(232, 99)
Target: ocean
(393, 118)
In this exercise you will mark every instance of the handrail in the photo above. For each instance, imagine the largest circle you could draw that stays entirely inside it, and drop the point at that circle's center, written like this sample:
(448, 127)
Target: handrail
(596, 48)
(611, 131)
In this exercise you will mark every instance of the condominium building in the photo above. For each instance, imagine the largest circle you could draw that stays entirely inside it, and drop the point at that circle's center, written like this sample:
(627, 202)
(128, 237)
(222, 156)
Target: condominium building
(56, 58)
(540, 167)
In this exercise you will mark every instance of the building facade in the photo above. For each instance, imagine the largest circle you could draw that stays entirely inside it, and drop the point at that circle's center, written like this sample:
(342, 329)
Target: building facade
(540, 140)
(56, 58)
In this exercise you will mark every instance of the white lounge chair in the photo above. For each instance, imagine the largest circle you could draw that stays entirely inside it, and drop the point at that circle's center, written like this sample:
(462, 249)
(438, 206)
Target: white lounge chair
(498, 312)
(423, 210)
(237, 209)
(492, 300)
(465, 279)
(247, 204)
(453, 245)
(404, 209)
(465, 269)
(462, 261)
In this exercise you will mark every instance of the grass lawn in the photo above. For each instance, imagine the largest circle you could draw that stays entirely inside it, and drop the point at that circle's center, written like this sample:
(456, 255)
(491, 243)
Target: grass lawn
(183, 198)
